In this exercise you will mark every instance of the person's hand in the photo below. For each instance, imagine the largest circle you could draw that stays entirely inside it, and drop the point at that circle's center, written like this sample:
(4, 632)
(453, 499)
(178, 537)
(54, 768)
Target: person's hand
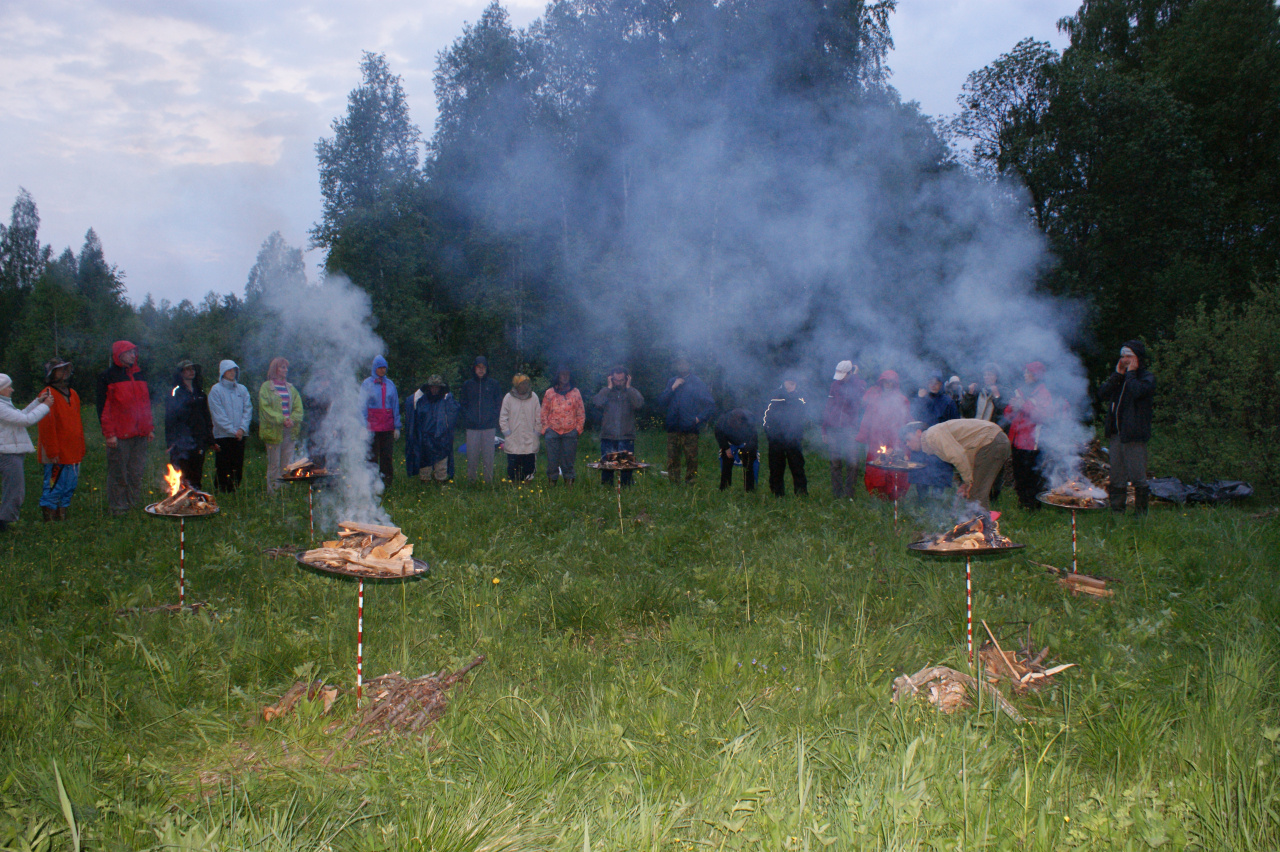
(46, 396)
(239, 434)
(288, 423)
(110, 441)
(611, 381)
(921, 393)
(397, 435)
(1130, 363)
(150, 435)
(963, 490)
(677, 383)
(628, 380)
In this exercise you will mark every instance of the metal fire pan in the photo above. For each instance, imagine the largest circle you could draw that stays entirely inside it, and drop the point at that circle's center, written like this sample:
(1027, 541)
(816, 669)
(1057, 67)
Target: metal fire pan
(419, 568)
(1044, 496)
(317, 477)
(603, 466)
(905, 467)
(925, 547)
(179, 516)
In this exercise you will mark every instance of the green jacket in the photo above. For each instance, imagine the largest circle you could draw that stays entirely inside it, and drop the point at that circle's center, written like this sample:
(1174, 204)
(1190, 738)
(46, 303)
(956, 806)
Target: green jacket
(271, 413)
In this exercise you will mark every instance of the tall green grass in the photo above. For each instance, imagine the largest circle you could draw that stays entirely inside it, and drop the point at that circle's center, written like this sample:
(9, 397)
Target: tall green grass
(714, 676)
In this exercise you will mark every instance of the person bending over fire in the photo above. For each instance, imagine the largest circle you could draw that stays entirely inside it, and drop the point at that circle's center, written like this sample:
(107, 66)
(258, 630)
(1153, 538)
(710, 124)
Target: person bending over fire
(976, 449)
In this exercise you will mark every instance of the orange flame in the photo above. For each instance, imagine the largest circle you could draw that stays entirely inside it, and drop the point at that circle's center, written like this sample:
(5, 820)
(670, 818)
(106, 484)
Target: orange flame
(173, 478)
(883, 449)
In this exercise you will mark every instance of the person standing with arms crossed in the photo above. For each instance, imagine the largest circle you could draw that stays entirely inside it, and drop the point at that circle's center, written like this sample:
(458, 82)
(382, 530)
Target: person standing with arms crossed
(124, 413)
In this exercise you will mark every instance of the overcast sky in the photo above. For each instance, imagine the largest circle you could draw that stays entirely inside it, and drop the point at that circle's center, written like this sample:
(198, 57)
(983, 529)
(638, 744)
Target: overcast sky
(184, 132)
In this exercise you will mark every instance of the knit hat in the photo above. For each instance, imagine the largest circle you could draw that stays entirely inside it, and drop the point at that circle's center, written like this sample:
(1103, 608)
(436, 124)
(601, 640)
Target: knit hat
(5, 381)
(435, 381)
(843, 369)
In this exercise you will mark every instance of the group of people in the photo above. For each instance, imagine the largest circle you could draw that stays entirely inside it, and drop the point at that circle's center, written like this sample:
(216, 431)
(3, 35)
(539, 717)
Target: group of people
(968, 434)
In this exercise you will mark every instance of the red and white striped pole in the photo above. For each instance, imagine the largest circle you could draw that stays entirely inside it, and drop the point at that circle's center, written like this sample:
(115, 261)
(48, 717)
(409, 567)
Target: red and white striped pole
(968, 605)
(360, 641)
(311, 511)
(895, 514)
(1073, 541)
(182, 561)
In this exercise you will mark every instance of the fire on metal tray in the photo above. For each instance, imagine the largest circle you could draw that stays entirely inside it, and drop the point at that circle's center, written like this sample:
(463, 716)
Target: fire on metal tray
(979, 534)
(183, 500)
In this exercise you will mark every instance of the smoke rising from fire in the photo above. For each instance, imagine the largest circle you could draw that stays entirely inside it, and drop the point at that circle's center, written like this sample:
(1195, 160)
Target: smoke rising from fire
(328, 327)
(763, 228)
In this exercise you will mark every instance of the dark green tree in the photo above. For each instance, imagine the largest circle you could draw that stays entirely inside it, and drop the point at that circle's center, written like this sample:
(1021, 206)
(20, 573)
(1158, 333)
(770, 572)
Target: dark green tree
(22, 261)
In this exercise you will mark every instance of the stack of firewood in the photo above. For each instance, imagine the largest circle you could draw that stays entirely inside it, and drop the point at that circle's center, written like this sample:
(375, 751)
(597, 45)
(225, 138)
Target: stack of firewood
(188, 501)
(1023, 668)
(373, 550)
(304, 468)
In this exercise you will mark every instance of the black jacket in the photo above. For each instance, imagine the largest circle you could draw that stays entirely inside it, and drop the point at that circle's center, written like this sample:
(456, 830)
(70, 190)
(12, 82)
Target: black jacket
(735, 428)
(481, 401)
(1128, 400)
(188, 427)
(785, 418)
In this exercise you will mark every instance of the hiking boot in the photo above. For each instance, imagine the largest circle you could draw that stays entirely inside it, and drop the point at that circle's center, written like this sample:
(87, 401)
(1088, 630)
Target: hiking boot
(1117, 498)
(1141, 498)
(48, 514)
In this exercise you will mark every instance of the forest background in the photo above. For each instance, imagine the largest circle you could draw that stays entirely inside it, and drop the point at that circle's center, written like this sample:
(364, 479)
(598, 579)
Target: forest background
(1147, 154)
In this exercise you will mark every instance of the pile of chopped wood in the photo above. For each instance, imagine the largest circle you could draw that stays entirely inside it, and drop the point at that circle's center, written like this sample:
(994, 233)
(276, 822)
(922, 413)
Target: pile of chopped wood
(1023, 668)
(980, 531)
(370, 550)
(1074, 494)
(187, 501)
(304, 468)
(1095, 465)
(948, 689)
(395, 704)
(1082, 584)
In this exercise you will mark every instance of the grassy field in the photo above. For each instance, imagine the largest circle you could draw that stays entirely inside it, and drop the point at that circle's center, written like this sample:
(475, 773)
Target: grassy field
(716, 676)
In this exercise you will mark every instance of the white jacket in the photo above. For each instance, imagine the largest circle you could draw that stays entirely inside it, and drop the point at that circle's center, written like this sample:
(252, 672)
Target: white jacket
(521, 423)
(14, 423)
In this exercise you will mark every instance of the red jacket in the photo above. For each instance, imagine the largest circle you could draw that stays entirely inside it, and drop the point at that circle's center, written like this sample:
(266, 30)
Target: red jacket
(124, 403)
(1029, 410)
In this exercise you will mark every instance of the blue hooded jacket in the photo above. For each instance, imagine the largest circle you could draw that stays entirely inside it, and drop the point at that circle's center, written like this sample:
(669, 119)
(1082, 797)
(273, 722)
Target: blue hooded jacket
(688, 406)
(381, 402)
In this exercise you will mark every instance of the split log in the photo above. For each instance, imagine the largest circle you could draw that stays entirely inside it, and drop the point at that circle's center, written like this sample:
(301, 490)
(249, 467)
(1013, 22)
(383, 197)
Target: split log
(369, 529)
(298, 465)
(174, 500)
(391, 547)
(910, 685)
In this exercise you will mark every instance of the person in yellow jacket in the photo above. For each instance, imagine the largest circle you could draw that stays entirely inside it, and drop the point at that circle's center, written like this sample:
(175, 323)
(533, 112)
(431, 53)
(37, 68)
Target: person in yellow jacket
(279, 420)
(977, 449)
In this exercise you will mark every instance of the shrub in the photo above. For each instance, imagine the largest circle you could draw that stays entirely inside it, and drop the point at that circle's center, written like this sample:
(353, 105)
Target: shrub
(1218, 410)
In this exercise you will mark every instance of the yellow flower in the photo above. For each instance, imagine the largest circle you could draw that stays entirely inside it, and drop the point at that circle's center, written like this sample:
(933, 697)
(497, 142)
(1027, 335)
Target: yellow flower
(496, 581)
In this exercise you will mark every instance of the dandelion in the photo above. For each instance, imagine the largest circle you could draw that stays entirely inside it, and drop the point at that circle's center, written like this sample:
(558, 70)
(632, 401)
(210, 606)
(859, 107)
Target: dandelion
(496, 581)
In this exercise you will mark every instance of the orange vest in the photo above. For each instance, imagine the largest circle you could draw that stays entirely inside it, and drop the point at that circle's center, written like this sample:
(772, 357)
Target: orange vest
(61, 432)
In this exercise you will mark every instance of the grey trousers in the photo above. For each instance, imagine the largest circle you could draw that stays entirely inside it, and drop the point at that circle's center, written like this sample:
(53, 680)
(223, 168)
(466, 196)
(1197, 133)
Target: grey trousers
(480, 450)
(279, 456)
(126, 462)
(15, 486)
(561, 451)
(1128, 464)
(988, 463)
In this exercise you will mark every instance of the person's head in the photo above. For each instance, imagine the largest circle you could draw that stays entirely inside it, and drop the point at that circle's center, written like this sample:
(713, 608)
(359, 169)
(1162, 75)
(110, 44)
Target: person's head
(278, 370)
(683, 367)
(124, 353)
(57, 371)
(6, 385)
(435, 384)
(843, 369)
(888, 380)
(562, 376)
(521, 385)
(789, 385)
(228, 371)
(990, 375)
(935, 382)
(1137, 352)
(618, 374)
(380, 367)
(910, 435)
(480, 367)
(1033, 373)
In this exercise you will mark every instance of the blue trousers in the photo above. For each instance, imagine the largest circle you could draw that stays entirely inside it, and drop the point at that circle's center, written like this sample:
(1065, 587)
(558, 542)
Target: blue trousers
(57, 495)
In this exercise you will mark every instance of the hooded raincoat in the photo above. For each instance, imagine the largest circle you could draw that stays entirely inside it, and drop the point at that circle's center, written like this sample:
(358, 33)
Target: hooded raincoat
(433, 414)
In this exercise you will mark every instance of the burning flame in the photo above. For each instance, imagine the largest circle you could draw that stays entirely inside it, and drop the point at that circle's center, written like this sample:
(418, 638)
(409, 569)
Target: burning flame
(883, 449)
(173, 479)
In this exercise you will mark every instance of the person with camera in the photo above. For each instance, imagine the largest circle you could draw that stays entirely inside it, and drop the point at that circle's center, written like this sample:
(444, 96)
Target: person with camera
(14, 444)
(1128, 395)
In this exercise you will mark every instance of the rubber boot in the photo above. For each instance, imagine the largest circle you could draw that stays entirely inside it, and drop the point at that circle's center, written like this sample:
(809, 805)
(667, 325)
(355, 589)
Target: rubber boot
(1117, 497)
(48, 514)
(1141, 497)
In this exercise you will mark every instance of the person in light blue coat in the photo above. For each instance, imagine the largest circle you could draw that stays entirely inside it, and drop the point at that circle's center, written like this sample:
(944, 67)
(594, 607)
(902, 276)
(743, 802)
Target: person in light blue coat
(231, 410)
